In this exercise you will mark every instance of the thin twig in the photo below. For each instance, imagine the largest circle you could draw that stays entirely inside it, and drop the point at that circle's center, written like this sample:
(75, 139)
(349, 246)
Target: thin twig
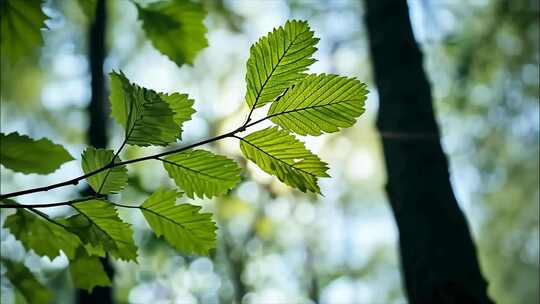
(111, 165)
(65, 203)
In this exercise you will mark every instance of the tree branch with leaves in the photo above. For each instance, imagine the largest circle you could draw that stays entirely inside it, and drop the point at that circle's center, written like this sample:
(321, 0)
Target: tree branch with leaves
(301, 103)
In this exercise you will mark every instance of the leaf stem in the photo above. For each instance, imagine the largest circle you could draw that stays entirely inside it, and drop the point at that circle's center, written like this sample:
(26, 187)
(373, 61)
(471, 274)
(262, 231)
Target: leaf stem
(125, 206)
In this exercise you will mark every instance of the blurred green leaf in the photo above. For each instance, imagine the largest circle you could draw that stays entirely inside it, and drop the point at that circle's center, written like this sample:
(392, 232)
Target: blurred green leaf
(202, 173)
(145, 116)
(44, 237)
(25, 282)
(98, 224)
(21, 22)
(279, 153)
(23, 154)
(181, 225)
(176, 28)
(87, 271)
(320, 103)
(107, 181)
(277, 61)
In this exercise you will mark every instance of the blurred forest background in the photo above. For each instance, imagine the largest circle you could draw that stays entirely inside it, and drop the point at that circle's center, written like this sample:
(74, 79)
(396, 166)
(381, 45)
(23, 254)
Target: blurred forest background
(276, 244)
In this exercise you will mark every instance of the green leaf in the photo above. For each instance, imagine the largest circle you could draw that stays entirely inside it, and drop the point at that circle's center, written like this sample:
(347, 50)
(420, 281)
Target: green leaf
(277, 61)
(181, 225)
(98, 224)
(87, 271)
(202, 173)
(107, 181)
(279, 153)
(182, 107)
(46, 238)
(175, 28)
(20, 28)
(145, 116)
(26, 283)
(23, 154)
(320, 103)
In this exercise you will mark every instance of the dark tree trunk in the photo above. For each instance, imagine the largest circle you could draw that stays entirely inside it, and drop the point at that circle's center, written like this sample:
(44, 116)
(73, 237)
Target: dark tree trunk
(438, 256)
(97, 135)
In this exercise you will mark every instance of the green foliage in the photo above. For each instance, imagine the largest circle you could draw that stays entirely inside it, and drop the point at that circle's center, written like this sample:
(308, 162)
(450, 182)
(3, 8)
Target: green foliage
(108, 181)
(23, 154)
(176, 28)
(20, 28)
(181, 225)
(320, 103)
(202, 173)
(46, 238)
(87, 271)
(25, 282)
(145, 116)
(98, 225)
(277, 61)
(182, 107)
(276, 74)
(279, 153)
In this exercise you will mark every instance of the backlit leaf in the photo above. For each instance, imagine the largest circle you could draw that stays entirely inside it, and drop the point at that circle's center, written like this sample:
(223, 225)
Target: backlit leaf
(107, 181)
(202, 173)
(175, 28)
(182, 107)
(21, 22)
(320, 103)
(279, 153)
(87, 271)
(147, 118)
(182, 225)
(23, 154)
(46, 238)
(98, 224)
(277, 61)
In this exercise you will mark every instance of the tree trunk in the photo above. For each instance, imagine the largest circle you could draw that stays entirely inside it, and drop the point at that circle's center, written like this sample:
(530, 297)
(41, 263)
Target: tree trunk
(438, 257)
(97, 134)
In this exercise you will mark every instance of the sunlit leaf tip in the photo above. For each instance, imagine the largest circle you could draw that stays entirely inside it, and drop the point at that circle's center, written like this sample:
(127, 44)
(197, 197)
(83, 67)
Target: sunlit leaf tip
(181, 105)
(278, 60)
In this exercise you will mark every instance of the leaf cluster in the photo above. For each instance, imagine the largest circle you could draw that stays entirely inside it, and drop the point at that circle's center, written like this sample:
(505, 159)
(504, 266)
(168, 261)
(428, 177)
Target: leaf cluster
(299, 103)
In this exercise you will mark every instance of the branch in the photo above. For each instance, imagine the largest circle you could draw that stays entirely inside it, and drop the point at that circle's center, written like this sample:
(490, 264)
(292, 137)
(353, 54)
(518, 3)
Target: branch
(30, 206)
(111, 165)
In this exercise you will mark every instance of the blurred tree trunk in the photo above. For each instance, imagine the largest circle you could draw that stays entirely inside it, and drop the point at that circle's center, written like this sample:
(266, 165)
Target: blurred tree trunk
(438, 256)
(97, 134)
